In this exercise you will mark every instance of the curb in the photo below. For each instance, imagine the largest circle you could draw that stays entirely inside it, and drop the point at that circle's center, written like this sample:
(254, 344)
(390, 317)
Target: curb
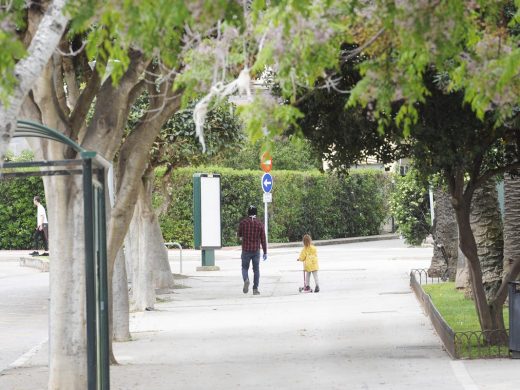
(335, 241)
(35, 262)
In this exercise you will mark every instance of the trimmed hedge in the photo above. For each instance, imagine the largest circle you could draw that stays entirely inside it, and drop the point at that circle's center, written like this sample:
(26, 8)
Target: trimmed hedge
(326, 206)
(17, 211)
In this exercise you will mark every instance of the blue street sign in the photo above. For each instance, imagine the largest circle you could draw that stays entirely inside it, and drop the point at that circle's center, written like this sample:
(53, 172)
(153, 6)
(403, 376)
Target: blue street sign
(267, 182)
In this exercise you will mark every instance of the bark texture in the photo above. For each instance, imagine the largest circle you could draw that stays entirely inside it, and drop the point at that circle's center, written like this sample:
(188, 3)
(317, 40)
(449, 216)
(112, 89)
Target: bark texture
(486, 224)
(148, 255)
(120, 302)
(143, 289)
(67, 330)
(511, 221)
(445, 234)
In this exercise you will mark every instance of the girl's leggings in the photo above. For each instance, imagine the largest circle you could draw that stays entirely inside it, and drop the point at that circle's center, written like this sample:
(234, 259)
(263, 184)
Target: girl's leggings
(308, 278)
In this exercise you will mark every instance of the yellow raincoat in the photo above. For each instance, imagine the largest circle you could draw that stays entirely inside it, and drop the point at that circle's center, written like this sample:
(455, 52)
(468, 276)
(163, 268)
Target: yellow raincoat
(309, 256)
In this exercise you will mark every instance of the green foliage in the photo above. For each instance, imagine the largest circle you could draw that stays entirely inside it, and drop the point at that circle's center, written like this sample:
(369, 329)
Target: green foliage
(410, 207)
(177, 145)
(475, 44)
(12, 48)
(17, 211)
(345, 136)
(155, 28)
(326, 206)
(288, 153)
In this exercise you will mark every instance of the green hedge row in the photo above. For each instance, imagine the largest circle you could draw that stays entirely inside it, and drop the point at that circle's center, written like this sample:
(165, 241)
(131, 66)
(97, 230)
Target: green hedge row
(326, 206)
(17, 211)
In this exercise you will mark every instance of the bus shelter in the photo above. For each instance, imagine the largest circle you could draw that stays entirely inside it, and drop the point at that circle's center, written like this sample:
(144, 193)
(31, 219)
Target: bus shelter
(92, 168)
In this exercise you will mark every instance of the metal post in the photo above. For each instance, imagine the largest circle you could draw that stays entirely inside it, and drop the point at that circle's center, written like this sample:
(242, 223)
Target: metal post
(432, 209)
(168, 244)
(265, 225)
(90, 275)
(208, 257)
(104, 340)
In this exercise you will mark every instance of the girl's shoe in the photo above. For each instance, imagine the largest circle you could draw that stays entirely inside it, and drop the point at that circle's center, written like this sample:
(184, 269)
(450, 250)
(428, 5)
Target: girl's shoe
(307, 288)
(317, 289)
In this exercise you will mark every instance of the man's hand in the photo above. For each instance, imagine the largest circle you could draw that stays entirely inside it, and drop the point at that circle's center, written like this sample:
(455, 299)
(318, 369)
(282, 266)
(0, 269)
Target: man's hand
(265, 256)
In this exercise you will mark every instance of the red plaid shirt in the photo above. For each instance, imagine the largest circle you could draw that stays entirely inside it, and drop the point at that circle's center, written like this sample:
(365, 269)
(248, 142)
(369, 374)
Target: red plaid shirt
(252, 232)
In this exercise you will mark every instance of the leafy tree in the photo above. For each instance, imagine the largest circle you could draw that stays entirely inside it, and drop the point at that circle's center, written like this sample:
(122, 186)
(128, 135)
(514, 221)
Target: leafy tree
(471, 48)
(410, 207)
(122, 50)
(346, 136)
(450, 139)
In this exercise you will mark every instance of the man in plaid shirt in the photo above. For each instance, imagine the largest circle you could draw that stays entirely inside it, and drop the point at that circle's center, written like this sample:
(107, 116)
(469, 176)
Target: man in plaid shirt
(252, 234)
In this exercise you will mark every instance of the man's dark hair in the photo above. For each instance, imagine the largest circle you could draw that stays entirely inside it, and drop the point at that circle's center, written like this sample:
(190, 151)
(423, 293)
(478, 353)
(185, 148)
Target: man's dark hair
(37, 198)
(251, 210)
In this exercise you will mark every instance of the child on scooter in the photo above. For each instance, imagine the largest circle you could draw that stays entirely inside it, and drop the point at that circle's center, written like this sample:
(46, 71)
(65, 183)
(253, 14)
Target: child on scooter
(309, 257)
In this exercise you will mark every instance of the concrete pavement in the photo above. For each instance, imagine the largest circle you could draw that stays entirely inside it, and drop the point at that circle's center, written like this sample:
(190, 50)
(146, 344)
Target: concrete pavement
(24, 307)
(364, 330)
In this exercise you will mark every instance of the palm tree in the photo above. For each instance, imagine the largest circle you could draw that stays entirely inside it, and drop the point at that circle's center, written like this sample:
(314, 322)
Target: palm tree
(445, 233)
(486, 224)
(511, 220)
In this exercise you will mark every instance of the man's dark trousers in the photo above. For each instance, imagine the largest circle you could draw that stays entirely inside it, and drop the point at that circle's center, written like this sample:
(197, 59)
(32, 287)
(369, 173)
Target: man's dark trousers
(246, 259)
(41, 235)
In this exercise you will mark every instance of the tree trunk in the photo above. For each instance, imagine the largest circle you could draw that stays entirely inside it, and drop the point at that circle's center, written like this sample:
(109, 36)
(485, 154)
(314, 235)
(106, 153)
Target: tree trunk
(489, 314)
(486, 224)
(150, 269)
(511, 221)
(155, 248)
(28, 69)
(120, 302)
(445, 234)
(462, 278)
(67, 317)
(143, 288)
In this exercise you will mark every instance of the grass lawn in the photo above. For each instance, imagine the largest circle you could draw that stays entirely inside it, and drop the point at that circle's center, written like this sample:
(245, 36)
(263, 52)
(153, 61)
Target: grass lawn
(457, 311)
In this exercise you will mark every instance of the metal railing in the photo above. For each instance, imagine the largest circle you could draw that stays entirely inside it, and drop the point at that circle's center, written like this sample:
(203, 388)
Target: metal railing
(170, 244)
(425, 278)
(482, 344)
(459, 345)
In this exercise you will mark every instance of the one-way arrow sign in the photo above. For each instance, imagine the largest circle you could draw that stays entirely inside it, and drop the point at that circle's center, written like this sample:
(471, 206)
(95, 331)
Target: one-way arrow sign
(267, 182)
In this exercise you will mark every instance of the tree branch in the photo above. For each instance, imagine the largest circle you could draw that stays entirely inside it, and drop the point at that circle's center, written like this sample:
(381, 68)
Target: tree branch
(80, 111)
(347, 55)
(501, 295)
(70, 80)
(58, 91)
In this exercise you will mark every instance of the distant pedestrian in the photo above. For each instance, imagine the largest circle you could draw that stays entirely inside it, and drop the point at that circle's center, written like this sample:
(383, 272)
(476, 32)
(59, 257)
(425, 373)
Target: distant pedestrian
(41, 232)
(309, 256)
(251, 233)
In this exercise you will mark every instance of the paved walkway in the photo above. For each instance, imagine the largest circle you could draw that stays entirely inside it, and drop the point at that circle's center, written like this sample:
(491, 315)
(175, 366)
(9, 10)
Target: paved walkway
(364, 330)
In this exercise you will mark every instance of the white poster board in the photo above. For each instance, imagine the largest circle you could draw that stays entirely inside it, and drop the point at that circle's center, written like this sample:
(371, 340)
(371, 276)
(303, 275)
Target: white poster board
(211, 236)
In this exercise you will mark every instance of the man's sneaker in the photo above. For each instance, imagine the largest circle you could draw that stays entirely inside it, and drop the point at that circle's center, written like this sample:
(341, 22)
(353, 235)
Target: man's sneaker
(45, 254)
(34, 253)
(317, 289)
(246, 286)
(256, 292)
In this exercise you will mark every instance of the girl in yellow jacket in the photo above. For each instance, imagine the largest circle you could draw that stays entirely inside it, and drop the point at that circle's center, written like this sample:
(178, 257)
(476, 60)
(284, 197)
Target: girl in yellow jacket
(309, 256)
